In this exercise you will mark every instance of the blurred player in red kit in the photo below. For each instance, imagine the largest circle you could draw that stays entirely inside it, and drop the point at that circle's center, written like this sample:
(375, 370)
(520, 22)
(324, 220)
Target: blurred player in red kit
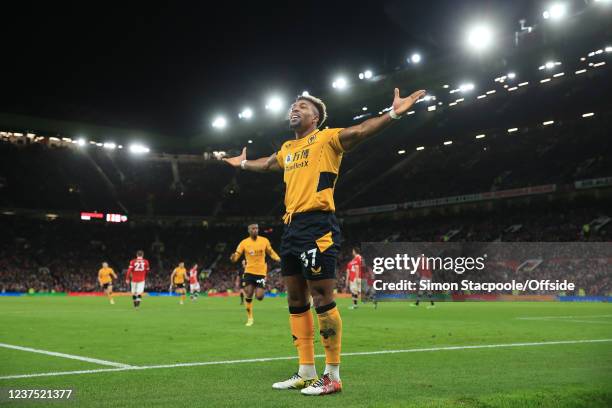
(136, 274)
(425, 276)
(354, 274)
(194, 284)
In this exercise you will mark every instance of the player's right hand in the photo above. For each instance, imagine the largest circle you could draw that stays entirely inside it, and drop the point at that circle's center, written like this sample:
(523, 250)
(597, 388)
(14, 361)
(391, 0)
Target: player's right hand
(235, 161)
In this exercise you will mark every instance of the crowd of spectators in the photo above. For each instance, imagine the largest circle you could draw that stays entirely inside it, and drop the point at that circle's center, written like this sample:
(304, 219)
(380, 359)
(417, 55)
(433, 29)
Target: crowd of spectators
(63, 255)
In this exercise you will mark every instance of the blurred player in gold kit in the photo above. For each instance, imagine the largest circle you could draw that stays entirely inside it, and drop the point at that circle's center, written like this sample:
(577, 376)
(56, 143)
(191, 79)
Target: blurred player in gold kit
(255, 248)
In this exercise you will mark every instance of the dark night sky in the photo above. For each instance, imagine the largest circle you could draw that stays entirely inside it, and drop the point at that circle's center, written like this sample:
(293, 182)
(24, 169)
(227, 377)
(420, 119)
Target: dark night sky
(169, 68)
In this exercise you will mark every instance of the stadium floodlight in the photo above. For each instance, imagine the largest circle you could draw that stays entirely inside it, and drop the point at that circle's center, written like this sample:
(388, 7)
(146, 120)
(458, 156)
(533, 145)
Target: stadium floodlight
(448, 142)
(81, 142)
(608, 48)
(555, 12)
(340, 83)
(549, 65)
(466, 87)
(420, 148)
(445, 86)
(512, 130)
(401, 152)
(109, 145)
(415, 58)
(250, 141)
(365, 108)
(481, 136)
(219, 122)
(247, 113)
(305, 93)
(137, 148)
(548, 122)
(367, 74)
(480, 37)
(511, 75)
(588, 115)
(274, 104)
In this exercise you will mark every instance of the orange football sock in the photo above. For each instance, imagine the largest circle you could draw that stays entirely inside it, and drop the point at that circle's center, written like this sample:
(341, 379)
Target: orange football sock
(330, 328)
(302, 330)
(249, 307)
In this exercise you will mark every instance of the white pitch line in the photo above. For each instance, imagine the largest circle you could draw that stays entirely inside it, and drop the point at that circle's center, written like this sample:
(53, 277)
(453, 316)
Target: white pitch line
(561, 317)
(70, 356)
(265, 359)
(588, 321)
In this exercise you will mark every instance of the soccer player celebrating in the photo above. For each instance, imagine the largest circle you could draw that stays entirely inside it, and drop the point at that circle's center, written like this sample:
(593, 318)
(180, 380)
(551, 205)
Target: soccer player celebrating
(354, 274)
(194, 284)
(254, 249)
(136, 274)
(105, 277)
(311, 237)
(177, 278)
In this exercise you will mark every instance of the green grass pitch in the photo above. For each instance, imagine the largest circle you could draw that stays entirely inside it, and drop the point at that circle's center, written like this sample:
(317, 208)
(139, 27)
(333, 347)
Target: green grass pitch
(163, 333)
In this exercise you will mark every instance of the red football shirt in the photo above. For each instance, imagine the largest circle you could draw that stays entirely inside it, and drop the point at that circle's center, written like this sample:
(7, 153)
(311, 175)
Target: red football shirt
(138, 270)
(355, 268)
(193, 276)
(425, 274)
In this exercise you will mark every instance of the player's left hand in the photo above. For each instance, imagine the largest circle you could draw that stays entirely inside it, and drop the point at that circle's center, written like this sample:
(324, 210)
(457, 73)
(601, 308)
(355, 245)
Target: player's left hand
(235, 161)
(401, 105)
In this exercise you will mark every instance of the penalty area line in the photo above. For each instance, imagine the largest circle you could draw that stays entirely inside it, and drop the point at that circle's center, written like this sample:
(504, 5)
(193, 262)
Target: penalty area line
(64, 355)
(266, 359)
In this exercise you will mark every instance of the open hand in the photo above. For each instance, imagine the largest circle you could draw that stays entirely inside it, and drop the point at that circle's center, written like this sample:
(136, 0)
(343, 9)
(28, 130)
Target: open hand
(401, 105)
(235, 161)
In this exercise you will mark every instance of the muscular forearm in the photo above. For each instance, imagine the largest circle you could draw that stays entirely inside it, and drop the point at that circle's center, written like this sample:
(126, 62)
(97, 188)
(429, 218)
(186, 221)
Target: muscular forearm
(365, 130)
(261, 165)
(352, 136)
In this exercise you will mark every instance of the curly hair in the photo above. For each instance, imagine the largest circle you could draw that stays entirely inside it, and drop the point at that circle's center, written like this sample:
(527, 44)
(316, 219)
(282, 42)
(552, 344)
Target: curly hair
(319, 105)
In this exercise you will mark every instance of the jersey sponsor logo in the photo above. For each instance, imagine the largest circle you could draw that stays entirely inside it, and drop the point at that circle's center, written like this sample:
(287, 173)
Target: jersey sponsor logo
(295, 166)
(301, 155)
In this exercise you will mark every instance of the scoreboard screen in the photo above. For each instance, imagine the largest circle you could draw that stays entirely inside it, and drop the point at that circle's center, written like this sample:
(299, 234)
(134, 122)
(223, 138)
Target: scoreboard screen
(114, 218)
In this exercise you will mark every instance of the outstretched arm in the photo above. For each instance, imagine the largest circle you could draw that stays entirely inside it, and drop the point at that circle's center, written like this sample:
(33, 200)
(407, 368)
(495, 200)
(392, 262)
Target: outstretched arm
(352, 136)
(261, 165)
(272, 254)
